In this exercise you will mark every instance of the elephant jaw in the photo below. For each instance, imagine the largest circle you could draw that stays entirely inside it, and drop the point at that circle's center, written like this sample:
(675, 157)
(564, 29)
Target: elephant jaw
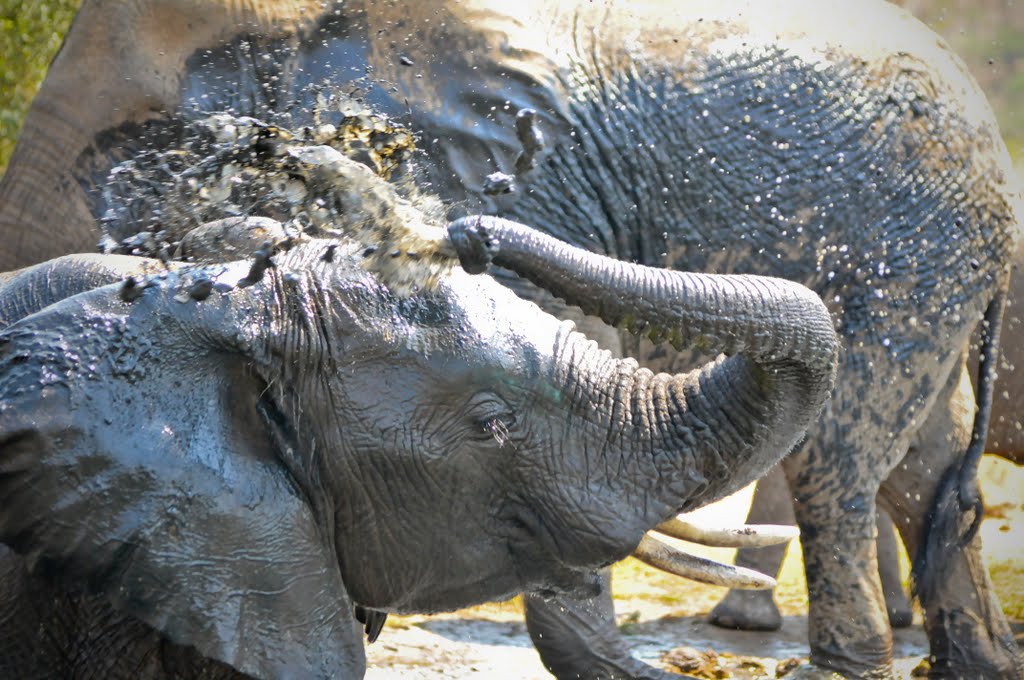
(655, 551)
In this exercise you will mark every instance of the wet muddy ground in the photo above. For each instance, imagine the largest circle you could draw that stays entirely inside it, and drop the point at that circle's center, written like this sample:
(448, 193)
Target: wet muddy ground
(663, 617)
(466, 647)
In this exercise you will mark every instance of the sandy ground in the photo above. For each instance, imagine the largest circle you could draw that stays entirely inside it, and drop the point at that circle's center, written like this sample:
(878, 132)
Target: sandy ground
(658, 613)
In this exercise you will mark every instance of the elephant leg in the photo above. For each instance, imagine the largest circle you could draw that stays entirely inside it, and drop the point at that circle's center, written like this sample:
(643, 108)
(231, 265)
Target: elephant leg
(967, 632)
(755, 609)
(578, 638)
(901, 615)
(834, 485)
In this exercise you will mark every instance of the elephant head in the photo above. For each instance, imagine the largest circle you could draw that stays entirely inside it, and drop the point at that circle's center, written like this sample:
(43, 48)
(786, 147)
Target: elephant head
(240, 454)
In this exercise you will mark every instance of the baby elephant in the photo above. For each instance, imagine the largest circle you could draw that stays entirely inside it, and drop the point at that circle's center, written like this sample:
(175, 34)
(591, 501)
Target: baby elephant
(224, 469)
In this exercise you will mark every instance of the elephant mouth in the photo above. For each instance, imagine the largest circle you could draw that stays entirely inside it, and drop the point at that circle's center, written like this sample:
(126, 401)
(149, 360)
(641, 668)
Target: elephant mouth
(549, 567)
(575, 584)
(539, 558)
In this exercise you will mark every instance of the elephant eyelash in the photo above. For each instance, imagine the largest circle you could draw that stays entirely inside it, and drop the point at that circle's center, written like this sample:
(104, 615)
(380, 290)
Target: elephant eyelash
(497, 428)
(491, 418)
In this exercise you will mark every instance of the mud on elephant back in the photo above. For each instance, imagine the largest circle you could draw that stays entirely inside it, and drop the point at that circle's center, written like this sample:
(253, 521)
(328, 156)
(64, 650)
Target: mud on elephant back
(838, 145)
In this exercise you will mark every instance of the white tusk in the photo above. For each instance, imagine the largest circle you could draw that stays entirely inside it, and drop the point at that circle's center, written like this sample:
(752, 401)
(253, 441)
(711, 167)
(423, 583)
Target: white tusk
(746, 536)
(663, 556)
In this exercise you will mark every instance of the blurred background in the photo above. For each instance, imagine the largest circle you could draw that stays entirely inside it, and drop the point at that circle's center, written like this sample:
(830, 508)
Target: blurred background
(989, 35)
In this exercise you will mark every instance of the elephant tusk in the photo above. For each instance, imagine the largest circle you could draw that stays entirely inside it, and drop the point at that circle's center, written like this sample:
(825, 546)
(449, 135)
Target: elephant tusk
(663, 556)
(746, 536)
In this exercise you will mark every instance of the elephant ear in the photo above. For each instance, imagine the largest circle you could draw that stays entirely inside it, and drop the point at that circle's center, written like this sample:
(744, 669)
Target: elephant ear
(138, 462)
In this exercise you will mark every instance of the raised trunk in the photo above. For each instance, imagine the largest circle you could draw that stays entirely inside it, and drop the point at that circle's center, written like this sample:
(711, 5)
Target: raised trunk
(687, 439)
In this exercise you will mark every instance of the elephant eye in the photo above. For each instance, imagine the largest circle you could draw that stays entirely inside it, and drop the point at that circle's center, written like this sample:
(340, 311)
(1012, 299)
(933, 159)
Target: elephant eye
(498, 429)
(491, 418)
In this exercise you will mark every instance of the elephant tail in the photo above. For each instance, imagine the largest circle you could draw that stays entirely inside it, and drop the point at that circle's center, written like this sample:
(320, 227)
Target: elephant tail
(957, 510)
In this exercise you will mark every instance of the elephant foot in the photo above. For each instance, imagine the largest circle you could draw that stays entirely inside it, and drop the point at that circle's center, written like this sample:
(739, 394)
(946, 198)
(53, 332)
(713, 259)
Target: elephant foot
(620, 667)
(631, 669)
(747, 610)
(810, 672)
(900, 616)
(578, 639)
(962, 649)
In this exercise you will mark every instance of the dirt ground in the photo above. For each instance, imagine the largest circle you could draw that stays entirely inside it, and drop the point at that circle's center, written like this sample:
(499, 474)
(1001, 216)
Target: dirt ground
(659, 613)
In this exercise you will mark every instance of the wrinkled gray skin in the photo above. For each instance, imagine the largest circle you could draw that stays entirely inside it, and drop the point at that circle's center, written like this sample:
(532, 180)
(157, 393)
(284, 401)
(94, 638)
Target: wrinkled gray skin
(207, 484)
(838, 145)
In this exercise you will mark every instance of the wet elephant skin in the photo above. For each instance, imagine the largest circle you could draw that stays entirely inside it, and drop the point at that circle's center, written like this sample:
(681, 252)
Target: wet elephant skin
(226, 468)
(727, 137)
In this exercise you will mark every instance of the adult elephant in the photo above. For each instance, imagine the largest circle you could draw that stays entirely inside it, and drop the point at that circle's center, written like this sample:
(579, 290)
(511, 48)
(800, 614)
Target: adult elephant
(220, 471)
(795, 139)
(773, 501)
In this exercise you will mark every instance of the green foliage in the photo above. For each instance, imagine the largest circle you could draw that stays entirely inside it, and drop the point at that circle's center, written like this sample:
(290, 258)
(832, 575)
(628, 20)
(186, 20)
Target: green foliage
(30, 34)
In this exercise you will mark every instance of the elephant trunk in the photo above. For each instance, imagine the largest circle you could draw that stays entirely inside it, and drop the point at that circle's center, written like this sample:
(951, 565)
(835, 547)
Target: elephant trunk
(683, 440)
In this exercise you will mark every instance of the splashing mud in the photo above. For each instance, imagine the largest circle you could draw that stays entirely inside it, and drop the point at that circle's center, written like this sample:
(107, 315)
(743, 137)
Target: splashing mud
(235, 174)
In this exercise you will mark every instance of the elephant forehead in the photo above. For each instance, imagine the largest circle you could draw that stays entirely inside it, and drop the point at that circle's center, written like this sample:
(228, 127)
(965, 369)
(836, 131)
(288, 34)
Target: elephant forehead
(475, 322)
(494, 315)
